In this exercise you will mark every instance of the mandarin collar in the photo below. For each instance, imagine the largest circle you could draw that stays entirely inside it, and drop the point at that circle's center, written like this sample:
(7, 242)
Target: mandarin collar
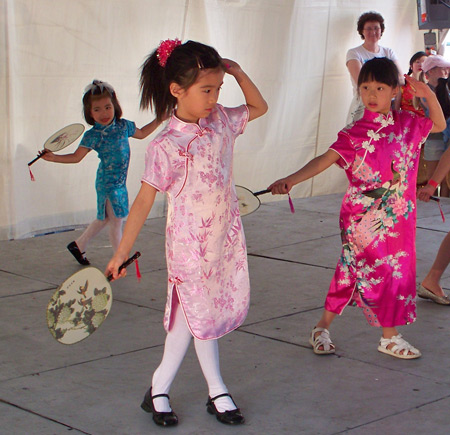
(191, 127)
(378, 117)
(101, 127)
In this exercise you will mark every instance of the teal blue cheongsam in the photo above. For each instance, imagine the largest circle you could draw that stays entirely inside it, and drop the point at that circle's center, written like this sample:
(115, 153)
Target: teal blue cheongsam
(113, 148)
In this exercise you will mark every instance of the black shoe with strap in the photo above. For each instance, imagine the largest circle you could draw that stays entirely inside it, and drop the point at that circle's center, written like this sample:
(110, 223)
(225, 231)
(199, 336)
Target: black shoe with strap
(160, 418)
(227, 417)
(79, 256)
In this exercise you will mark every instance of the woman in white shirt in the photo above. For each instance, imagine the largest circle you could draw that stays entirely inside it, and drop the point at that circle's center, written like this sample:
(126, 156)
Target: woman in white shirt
(370, 27)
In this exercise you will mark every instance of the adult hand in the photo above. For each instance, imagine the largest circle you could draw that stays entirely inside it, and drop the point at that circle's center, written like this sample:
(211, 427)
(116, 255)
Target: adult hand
(424, 194)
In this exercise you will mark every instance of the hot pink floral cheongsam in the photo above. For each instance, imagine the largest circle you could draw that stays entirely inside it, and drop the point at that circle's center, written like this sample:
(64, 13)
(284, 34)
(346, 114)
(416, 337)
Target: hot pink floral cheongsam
(377, 268)
(205, 244)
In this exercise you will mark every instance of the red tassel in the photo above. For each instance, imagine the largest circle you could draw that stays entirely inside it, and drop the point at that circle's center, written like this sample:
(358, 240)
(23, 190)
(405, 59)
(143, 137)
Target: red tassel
(31, 174)
(291, 204)
(442, 213)
(138, 272)
(434, 198)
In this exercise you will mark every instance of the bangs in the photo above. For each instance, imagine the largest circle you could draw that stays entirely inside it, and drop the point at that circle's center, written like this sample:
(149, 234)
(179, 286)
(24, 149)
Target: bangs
(379, 69)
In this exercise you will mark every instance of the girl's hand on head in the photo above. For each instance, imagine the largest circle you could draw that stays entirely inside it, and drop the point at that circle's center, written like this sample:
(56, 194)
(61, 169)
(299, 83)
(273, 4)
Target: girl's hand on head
(418, 88)
(281, 186)
(113, 267)
(425, 193)
(231, 67)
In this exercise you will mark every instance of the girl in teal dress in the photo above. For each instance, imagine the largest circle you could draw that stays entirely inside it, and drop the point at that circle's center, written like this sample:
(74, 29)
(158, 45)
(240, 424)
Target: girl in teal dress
(109, 138)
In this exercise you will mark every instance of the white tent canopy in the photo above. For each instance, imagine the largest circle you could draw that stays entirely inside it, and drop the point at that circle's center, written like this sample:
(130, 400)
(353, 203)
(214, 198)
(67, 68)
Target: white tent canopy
(294, 50)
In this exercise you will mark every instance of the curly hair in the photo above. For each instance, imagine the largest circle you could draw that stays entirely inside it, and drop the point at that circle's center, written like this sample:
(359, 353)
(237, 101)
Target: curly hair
(368, 17)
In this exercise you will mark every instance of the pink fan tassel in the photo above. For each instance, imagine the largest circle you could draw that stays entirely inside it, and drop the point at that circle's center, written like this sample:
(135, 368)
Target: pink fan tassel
(442, 213)
(138, 272)
(31, 174)
(291, 204)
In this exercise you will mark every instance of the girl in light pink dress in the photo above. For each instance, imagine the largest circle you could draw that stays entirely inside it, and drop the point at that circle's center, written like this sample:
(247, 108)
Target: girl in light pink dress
(191, 161)
(380, 155)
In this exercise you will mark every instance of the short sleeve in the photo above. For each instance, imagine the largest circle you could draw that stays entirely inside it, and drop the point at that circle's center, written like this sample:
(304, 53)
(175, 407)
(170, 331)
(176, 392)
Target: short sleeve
(88, 140)
(352, 54)
(130, 126)
(237, 118)
(158, 170)
(346, 150)
(425, 124)
(390, 54)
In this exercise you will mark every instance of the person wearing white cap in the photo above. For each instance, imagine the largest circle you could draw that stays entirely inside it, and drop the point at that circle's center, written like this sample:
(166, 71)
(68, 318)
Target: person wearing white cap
(435, 67)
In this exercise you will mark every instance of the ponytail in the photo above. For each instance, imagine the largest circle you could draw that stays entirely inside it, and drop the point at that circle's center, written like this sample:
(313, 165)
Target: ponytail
(182, 66)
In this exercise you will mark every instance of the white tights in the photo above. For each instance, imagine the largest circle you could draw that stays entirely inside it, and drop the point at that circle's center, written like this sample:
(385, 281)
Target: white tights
(175, 348)
(115, 229)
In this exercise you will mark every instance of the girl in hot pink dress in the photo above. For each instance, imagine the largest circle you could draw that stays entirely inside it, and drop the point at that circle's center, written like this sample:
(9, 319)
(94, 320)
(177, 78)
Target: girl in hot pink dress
(191, 161)
(380, 154)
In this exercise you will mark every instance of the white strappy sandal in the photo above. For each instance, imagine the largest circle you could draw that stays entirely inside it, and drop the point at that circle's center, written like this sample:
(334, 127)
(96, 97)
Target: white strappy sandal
(401, 348)
(323, 339)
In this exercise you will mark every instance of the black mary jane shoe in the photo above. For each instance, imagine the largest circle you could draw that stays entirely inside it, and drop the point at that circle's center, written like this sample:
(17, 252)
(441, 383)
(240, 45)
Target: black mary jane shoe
(228, 417)
(160, 418)
(79, 256)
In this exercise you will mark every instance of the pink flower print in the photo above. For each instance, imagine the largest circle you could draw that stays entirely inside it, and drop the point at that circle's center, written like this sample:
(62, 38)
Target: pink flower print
(197, 197)
(224, 302)
(388, 222)
(400, 207)
(208, 178)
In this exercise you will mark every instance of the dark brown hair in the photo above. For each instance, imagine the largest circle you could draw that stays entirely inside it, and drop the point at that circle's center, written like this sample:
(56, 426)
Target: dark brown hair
(367, 17)
(183, 67)
(97, 92)
(415, 57)
(379, 69)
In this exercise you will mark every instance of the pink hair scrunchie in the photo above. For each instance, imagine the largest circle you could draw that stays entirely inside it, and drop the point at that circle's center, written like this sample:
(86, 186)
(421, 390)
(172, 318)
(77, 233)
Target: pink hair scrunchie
(165, 49)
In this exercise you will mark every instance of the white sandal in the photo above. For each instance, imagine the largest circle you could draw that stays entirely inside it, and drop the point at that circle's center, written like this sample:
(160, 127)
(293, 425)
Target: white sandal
(401, 348)
(323, 339)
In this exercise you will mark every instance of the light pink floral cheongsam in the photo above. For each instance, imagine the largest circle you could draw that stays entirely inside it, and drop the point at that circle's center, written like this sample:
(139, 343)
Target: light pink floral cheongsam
(377, 268)
(205, 244)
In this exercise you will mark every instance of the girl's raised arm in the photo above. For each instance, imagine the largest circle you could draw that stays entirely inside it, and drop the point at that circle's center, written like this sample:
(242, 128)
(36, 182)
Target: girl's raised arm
(421, 90)
(138, 214)
(256, 104)
(314, 167)
(142, 133)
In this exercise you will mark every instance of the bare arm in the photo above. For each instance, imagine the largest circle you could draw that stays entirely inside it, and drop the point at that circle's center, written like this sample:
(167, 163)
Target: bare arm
(421, 90)
(354, 67)
(256, 104)
(439, 173)
(142, 133)
(314, 167)
(75, 157)
(138, 214)
(401, 77)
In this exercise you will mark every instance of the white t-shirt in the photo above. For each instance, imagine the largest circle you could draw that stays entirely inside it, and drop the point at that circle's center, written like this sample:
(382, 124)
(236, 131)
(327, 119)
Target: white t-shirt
(360, 53)
(363, 55)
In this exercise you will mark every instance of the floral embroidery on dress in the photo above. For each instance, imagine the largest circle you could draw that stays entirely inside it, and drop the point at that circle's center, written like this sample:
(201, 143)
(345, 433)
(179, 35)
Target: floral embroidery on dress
(376, 269)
